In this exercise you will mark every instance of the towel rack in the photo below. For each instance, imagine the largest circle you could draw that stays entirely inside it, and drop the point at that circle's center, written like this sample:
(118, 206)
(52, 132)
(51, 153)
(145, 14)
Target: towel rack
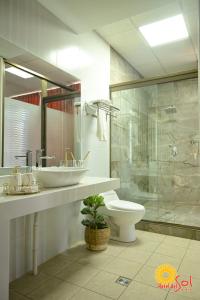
(105, 105)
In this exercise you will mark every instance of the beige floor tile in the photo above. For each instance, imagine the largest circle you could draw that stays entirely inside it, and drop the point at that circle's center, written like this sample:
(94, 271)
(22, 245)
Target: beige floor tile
(194, 293)
(28, 283)
(158, 259)
(177, 296)
(96, 259)
(77, 273)
(123, 267)
(176, 241)
(193, 252)
(55, 265)
(14, 296)
(54, 289)
(145, 245)
(115, 248)
(61, 259)
(136, 255)
(105, 283)
(147, 276)
(170, 250)
(194, 243)
(193, 255)
(84, 294)
(139, 291)
(77, 252)
(190, 268)
(146, 235)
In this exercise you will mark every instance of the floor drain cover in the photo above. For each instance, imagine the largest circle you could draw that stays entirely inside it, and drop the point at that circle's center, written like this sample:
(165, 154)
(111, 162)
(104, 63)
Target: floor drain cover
(123, 281)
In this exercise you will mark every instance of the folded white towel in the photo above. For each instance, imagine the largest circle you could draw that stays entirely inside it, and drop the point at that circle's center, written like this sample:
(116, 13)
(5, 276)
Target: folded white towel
(102, 126)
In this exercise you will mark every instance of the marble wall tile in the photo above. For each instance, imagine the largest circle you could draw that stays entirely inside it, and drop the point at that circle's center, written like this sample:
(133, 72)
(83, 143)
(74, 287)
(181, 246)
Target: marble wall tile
(120, 69)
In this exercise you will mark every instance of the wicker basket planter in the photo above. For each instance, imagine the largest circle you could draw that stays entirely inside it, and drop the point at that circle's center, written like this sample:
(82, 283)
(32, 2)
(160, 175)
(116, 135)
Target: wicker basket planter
(97, 239)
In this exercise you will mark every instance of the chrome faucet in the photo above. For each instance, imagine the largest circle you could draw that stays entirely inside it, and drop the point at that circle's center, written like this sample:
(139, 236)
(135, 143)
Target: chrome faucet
(28, 157)
(39, 157)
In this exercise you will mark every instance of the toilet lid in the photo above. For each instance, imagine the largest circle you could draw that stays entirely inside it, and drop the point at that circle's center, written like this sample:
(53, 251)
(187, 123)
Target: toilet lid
(125, 205)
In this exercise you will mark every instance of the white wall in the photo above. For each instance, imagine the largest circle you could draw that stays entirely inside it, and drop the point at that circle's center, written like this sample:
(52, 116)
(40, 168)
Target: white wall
(29, 26)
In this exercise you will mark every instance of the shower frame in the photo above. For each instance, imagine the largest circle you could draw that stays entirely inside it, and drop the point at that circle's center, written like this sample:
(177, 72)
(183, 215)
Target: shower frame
(181, 230)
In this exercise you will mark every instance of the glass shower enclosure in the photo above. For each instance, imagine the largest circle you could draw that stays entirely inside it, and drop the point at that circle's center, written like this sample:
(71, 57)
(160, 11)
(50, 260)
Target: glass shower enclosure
(155, 147)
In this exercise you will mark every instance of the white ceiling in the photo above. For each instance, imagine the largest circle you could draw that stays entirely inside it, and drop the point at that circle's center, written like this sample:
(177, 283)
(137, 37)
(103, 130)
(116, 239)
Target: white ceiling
(125, 37)
(118, 21)
(83, 16)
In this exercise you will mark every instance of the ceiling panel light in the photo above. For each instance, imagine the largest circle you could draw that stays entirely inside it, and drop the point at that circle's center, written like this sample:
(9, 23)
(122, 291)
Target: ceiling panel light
(165, 31)
(18, 72)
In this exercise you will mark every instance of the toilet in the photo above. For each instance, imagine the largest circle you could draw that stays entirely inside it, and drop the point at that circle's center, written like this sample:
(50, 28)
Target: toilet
(122, 216)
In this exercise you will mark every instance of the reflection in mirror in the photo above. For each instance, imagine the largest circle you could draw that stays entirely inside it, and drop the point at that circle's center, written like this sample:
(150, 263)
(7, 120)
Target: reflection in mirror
(21, 117)
(62, 125)
(24, 99)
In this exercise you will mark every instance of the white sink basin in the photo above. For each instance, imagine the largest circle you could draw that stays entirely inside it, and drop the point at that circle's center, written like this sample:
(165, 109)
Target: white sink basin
(59, 176)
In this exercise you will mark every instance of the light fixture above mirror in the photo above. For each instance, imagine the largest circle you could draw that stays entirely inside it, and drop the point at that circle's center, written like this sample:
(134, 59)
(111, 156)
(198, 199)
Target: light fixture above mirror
(18, 72)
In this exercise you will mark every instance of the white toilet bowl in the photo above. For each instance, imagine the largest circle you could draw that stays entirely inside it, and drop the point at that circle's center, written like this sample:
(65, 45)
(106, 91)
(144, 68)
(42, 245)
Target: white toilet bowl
(123, 215)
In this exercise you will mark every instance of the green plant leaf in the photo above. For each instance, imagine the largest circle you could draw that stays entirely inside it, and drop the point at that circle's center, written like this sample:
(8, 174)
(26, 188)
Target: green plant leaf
(89, 201)
(86, 211)
(86, 222)
(99, 218)
(93, 201)
(96, 220)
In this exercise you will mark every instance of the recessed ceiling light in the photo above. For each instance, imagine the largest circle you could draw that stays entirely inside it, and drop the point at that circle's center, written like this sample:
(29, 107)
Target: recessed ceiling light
(18, 72)
(165, 31)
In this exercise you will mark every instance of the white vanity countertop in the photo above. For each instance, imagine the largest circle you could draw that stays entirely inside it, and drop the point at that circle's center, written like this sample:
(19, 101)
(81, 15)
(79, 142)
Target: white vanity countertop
(16, 206)
(20, 205)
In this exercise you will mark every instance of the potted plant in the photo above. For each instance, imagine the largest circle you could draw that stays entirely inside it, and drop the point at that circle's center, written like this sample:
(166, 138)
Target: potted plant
(97, 231)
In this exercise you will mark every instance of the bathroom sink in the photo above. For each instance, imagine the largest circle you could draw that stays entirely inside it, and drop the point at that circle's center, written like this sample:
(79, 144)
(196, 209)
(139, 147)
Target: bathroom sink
(59, 176)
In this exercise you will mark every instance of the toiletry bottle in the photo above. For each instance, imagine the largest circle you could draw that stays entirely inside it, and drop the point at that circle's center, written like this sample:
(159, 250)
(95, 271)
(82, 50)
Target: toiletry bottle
(16, 181)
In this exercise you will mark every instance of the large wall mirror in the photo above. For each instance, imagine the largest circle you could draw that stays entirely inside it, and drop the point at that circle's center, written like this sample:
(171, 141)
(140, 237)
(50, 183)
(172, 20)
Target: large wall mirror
(39, 114)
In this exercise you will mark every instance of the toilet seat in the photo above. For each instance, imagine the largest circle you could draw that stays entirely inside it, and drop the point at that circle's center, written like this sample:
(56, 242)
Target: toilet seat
(125, 205)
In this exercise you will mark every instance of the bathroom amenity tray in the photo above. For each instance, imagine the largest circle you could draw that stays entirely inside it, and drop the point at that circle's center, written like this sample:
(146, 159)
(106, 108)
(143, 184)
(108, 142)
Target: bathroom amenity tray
(21, 192)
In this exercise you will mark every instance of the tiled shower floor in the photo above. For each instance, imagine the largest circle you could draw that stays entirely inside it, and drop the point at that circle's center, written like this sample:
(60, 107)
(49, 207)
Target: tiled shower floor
(79, 274)
(182, 214)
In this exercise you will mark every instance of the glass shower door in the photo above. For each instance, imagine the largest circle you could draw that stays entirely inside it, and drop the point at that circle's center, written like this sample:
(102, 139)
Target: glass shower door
(134, 147)
(155, 148)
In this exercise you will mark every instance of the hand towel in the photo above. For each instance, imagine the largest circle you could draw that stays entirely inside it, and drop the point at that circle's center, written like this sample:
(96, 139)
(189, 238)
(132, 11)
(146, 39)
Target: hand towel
(102, 126)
